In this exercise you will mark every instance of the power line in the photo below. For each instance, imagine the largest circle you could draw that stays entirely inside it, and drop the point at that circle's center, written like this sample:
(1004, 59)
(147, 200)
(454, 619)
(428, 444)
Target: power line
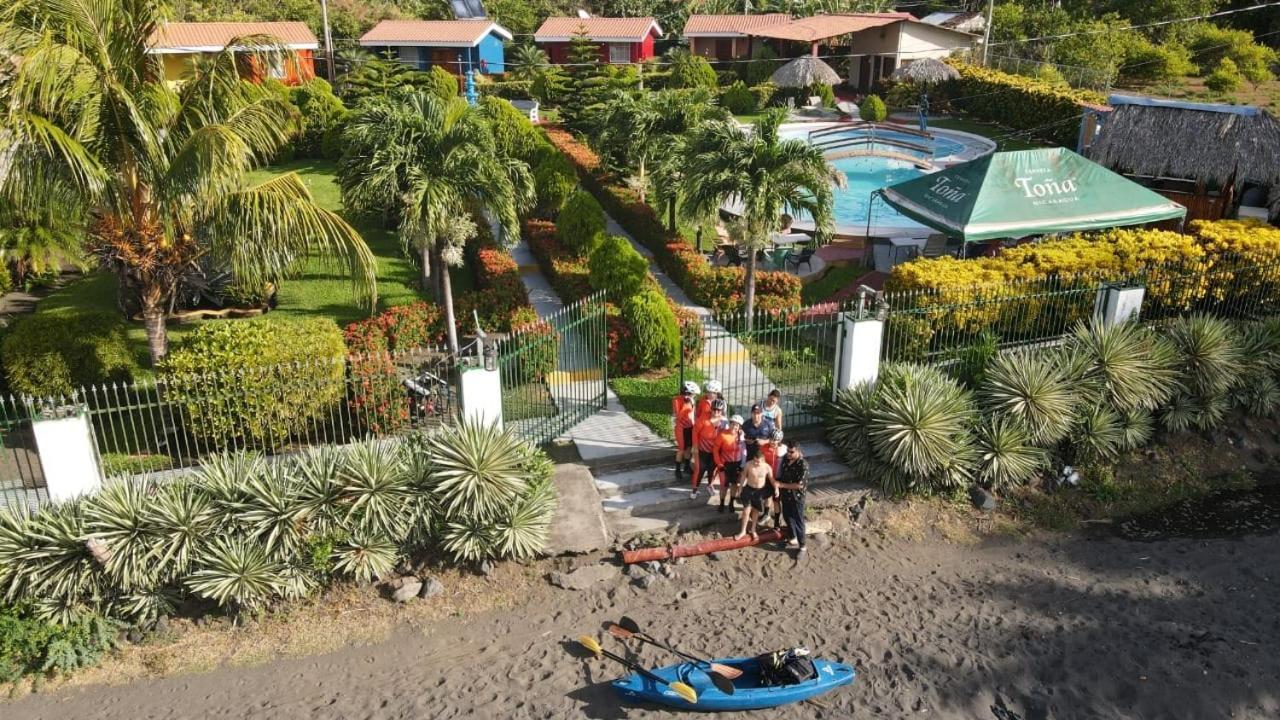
(1160, 23)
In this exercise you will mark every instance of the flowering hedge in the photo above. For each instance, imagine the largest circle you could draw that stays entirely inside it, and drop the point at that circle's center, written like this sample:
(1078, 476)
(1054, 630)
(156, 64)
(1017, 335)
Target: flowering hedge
(499, 291)
(1018, 102)
(718, 288)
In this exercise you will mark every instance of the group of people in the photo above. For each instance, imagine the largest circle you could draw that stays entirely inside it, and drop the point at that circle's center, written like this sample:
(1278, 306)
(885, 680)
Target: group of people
(747, 458)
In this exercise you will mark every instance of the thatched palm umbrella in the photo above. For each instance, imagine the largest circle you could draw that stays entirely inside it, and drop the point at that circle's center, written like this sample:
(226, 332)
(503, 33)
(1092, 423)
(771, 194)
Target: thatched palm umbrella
(925, 72)
(804, 72)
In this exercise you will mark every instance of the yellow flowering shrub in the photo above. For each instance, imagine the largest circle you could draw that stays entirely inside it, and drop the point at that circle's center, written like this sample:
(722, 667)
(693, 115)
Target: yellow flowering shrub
(1248, 244)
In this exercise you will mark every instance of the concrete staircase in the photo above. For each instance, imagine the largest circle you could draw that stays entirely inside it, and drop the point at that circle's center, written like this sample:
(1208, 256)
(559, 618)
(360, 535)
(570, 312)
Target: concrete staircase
(648, 499)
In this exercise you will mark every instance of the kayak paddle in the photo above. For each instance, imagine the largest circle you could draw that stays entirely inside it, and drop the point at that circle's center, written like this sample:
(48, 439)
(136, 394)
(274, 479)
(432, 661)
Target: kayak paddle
(718, 673)
(633, 627)
(684, 691)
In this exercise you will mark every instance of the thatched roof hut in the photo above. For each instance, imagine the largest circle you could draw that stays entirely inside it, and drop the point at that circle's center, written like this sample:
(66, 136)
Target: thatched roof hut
(926, 71)
(805, 71)
(1211, 146)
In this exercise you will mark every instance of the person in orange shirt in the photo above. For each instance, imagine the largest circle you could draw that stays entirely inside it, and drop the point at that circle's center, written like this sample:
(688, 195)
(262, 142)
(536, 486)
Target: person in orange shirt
(682, 417)
(710, 394)
(705, 432)
(728, 453)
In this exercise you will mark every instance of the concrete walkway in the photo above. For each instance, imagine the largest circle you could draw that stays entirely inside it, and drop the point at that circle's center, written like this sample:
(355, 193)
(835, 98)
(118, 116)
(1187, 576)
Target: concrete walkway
(609, 436)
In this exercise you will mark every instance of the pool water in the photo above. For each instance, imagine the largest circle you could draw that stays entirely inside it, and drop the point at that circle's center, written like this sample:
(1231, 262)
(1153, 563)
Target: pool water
(863, 176)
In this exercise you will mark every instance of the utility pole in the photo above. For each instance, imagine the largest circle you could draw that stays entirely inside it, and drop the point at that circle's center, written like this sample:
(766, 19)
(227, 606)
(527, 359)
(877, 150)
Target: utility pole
(328, 39)
(986, 31)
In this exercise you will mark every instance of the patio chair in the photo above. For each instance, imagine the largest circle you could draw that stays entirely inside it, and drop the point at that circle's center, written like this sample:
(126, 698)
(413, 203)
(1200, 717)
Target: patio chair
(732, 256)
(804, 257)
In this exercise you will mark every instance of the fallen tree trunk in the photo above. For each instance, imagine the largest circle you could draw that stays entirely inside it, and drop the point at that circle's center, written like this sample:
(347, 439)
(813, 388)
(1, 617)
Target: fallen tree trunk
(630, 557)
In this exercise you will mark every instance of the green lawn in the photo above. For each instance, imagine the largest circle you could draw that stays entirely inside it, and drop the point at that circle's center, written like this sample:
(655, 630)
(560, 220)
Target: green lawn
(318, 289)
(988, 130)
(648, 399)
(834, 280)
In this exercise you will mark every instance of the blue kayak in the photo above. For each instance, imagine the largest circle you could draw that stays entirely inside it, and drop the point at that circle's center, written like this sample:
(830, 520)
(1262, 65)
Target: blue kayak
(747, 693)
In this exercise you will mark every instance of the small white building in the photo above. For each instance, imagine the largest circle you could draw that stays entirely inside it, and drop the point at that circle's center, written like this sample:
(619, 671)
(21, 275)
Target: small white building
(970, 22)
(877, 52)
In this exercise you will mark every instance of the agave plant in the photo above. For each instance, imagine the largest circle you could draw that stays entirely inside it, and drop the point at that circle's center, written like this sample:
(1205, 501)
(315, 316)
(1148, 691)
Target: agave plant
(236, 574)
(365, 558)
(57, 564)
(1181, 413)
(375, 488)
(273, 512)
(1098, 435)
(920, 421)
(319, 491)
(1136, 427)
(184, 519)
(469, 539)
(120, 517)
(1033, 389)
(1208, 354)
(225, 477)
(847, 417)
(1007, 453)
(521, 532)
(145, 605)
(1260, 396)
(476, 469)
(1123, 365)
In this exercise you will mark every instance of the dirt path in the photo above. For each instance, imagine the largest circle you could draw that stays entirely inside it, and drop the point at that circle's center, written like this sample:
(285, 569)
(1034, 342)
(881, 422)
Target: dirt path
(1063, 627)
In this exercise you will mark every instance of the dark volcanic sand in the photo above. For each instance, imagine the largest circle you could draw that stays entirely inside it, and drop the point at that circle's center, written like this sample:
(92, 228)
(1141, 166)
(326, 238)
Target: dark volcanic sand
(1063, 627)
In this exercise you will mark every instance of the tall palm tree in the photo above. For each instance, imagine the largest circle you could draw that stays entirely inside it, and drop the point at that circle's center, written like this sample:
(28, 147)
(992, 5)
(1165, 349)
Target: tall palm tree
(765, 175)
(430, 163)
(160, 171)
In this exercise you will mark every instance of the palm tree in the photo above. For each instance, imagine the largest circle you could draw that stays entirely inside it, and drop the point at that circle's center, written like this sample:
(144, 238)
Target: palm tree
(430, 163)
(765, 175)
(160, 172)
(528, 62)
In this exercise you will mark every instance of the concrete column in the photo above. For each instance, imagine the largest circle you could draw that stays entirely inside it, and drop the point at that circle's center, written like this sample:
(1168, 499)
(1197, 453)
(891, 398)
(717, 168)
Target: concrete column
(859, 357)
(481, 395)
(1116, 304)
(68, 455)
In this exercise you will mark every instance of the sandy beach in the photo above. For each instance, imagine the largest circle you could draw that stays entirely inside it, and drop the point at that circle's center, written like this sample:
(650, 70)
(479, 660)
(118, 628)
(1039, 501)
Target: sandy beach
(1062, 626)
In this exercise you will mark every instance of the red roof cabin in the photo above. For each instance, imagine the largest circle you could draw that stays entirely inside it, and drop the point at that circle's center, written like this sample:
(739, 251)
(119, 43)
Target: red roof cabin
(178, 45)
(621, 40)
(727, 37)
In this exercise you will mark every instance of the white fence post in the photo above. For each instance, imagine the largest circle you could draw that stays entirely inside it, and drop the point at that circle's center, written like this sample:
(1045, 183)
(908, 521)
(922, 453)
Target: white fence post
(68, 456)
(860, 340)
(1117, 304)
(480, 389)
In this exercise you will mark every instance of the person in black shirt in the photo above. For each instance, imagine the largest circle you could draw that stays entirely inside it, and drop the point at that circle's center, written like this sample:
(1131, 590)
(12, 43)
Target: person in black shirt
(756, 428)
(792, 479)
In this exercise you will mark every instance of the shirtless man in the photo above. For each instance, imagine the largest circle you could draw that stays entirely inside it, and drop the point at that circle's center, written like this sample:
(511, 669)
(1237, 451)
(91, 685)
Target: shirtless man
(757, 487)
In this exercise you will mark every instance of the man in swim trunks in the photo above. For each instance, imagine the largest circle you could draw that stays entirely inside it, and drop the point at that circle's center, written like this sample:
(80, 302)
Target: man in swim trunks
(682, 414)
(728, 454)
(757, 488)
(706, 433)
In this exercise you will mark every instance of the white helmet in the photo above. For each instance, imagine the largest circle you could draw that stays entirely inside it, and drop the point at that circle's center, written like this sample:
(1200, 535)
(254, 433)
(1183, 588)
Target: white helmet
(690, 388)
(736, 419)
(713, 386)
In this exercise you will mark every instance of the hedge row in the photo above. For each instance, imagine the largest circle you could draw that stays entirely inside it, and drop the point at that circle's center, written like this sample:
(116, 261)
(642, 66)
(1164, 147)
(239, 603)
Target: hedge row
(718, 288)
(1019, 102)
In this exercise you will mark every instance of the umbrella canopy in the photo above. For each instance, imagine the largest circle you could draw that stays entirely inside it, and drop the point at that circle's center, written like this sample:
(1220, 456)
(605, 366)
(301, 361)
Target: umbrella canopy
(803, 72)
(927, 71)
(1030, 192)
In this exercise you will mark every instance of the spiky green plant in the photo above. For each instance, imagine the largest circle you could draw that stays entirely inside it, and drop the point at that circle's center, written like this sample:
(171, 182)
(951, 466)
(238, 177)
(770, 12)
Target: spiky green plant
(1259, 396)
(847, 417)
(1007, 453)
(145, 605)
(1032, 388)
(1098, 435)
(56, 564)
(183, 516)
(521, 532)
(365, 558)
(120, 516)
(1125, 365)
(224, 477)
(273, 512)
(469, 539)
(920, 421)
(236, 574)
(319, 491)
(476, 469)
(1136, 427)
(375, 488)
(1180, 413)
(1208, 354)
(1213, 412)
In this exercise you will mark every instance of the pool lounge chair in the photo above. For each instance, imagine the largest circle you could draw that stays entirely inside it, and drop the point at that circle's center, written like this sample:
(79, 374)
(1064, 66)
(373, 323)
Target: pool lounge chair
(804, 257)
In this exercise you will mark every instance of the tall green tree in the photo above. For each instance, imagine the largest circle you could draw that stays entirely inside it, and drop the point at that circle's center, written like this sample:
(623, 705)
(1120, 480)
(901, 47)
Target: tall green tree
(762, 174)
(431, 163)
(159, 172)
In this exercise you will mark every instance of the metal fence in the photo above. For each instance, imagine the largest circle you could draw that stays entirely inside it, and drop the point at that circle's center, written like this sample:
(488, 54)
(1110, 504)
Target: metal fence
(1085, 78)
(792, 351)
(174, 420)
(553, 371)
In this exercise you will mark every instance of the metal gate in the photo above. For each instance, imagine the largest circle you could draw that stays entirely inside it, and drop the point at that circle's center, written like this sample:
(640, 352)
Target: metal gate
(792, 351)
(553, 371)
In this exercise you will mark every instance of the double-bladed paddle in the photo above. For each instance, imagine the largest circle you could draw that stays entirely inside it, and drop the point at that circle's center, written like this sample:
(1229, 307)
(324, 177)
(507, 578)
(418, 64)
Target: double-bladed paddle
(684, 691)
(720, 674)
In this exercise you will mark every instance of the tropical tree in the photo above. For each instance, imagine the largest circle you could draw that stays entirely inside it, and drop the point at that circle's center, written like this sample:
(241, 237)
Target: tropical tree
(764, 176)
(41, 235)
(160, 172)
(528, 62)
(430, 163)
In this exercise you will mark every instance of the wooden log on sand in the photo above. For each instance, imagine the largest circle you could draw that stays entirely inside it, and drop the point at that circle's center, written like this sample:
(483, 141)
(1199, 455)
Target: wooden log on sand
(707, 546)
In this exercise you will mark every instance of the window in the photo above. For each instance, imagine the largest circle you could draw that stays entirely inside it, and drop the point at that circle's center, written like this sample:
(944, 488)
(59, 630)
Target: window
(619, 53)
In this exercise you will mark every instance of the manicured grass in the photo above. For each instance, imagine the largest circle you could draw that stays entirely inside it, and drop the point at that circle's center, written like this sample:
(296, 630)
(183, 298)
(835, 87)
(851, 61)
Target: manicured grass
(988, 130)
(837, 278)
(648, 398)
(317, 290)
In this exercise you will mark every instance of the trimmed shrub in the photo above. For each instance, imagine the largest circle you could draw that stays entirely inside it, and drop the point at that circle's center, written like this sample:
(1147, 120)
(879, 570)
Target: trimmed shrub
(618, 269)
(762, 65)
(827, 94)
(738, 99)
(513, 133)
(656, 336)
(508, 89)
(536, 344)
(321, 114)
(52, 354)
(1147, 62)
(1225, 78)
(441, 83)
(764, 93)
(256, 382)
(554, 181)
(1016, 101)
(691, 71)
(872, 109)
(724, 78)
(580, 225)
(568, 273)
